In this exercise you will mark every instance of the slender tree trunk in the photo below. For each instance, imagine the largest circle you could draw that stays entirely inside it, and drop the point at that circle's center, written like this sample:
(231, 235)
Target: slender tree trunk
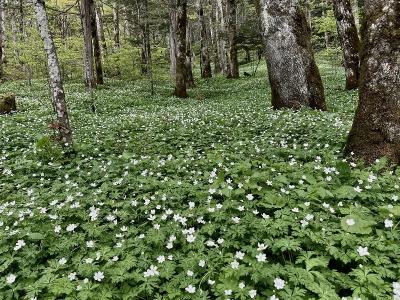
(348, 37)
(21, 24)
(100, 30)
(172, 38)
(59, 103)
(376, 127)
(214, 32)
(96, 45)
(181, 24)
(204, 41)
(232, 35)
(88, 44)
(293, 74)
(189, 54)
(117, 42)
(356, 13)
(2, 39)
(223, 44)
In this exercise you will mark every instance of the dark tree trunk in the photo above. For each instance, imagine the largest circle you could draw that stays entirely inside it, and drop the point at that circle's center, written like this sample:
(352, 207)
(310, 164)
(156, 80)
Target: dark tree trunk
(376, 127)
(293, 74)
(96, 45)
(86, 6)
(348, 37)
(232, 34)
(117, 42)
(181, 74)
(189, 54)
(205, 41)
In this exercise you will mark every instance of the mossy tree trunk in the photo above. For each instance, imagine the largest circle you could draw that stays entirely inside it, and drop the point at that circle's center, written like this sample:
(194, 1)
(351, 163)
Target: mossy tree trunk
(293, 74)
(56, 84)
(348, 36)
(181, 73)
(376, 128)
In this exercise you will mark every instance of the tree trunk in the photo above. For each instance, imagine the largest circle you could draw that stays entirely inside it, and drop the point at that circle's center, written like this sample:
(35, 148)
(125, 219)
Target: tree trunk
(348, 37)
(172, 38)
(59, 103)
(223, 45)
(376, 127)
(2, 38)
(100, 30)
(117, 42)
(189, 54)
(86, 6)
(181, 74)
(293, 74)
(356, 13)
(232, 35)
(96, 46)
(214, 32)
(204, 41)
(21, 24)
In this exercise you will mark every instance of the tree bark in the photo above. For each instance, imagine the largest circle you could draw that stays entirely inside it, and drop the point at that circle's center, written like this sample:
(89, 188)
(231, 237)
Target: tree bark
(96, 45)
(59, 103)
(293, 74)
(348, 36)
(189, 69)
(223, 44)
(100, 30)
(117, 42)
(2, 39)
(86, 6)
(181, 74)
(172, 38)
(376, 127)
(204, 43)
(232, 35)
(214, 32)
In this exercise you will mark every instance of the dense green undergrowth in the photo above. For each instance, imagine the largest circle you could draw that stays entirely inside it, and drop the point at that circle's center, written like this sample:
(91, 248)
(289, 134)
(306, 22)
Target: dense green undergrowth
(213, 197)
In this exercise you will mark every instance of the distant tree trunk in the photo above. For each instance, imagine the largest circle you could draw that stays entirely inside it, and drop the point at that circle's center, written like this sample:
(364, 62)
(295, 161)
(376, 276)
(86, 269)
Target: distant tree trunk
(96, 46)
(172, 38)
(232, 35)
(86, 6)
(348, 37)
(223, 44)
(21, 24)
(117, 42)
(59, 103)
(293, 74)
(189, 54)
(2, 38)
(376, 127)
(181, 74)
(100, 30)
(214, 32)
(204, 41)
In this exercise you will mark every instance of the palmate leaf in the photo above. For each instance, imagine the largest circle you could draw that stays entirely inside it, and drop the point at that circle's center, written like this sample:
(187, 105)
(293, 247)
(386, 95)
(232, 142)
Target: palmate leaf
(362, 225)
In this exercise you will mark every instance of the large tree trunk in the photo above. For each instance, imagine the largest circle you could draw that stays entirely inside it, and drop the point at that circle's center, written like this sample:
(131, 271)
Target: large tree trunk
(96, 46)
(348, 37)
(204, 41)
(59, 104)
(293, 74)
(181, 23)
(86, 6)
(376, 127)
(232, 35)
(223, 44)
(172, 38)
(117, 42)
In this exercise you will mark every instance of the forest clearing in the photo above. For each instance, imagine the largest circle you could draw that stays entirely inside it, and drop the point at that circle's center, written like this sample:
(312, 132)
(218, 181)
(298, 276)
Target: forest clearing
(274, 177)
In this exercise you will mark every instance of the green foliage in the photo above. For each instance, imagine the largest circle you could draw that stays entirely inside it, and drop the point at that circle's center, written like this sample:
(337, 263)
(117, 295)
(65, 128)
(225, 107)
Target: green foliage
(218, 195)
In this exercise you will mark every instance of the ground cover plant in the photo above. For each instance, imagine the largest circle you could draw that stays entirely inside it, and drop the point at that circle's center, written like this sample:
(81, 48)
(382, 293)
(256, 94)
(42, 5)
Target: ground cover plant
(212, 197)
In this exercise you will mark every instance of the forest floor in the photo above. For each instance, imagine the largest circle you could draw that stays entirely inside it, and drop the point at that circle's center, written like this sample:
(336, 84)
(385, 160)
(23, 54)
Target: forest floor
(213, 197)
